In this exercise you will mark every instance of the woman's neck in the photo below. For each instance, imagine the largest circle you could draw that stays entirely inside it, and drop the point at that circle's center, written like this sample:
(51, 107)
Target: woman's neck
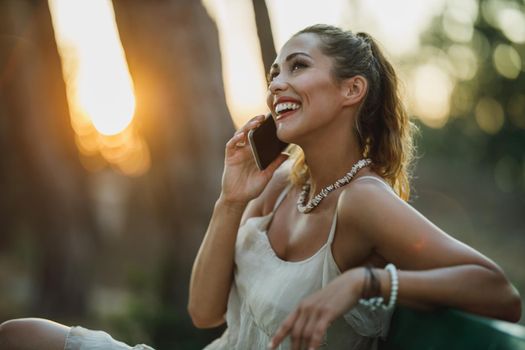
(330, 159)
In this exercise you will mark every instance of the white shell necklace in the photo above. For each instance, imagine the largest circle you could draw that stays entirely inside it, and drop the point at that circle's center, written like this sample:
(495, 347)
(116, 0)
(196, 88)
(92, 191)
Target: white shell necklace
(314, 202)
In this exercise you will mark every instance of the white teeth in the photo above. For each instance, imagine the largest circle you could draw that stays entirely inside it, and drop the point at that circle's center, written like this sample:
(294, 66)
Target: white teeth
(286, 105)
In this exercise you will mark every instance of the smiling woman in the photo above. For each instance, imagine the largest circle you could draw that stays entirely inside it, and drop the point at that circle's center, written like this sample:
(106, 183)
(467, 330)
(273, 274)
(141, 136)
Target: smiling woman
(316, 251)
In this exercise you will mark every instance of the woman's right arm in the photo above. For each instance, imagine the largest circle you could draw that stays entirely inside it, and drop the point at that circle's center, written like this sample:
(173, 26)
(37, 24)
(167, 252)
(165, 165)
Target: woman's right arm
(213, 268)
(212, 272)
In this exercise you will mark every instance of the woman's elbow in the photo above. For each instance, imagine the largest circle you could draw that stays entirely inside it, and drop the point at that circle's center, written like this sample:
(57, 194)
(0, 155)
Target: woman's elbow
(204, 320)
(506, 302)
(513, 306)
(499, 298)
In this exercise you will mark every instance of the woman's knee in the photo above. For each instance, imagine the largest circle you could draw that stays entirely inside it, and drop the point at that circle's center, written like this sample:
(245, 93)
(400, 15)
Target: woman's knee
(26, 333)
(10, 331)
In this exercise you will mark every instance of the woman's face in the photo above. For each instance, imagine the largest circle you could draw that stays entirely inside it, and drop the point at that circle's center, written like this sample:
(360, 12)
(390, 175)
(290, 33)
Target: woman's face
(302, 93)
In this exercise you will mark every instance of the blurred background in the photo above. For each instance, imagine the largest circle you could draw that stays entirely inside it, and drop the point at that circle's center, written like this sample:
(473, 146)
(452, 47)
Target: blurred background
(114, 115)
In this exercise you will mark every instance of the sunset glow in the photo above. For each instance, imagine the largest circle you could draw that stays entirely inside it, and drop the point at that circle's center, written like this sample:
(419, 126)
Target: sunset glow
(98, 85)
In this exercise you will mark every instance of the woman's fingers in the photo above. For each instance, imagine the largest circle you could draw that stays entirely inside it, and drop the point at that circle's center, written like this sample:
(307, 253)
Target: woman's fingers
(234, 142)
(297, 330)
(251, 124)
(256, 120)
(284, 330)
(317, 332)
(309, 330)
(307, 325)
(318, 311)
(305, 329)
(239, 139)
(281, 158)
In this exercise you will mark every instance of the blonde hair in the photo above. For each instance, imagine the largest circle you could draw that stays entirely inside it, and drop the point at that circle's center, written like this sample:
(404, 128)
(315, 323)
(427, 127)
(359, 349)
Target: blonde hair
(383, 128)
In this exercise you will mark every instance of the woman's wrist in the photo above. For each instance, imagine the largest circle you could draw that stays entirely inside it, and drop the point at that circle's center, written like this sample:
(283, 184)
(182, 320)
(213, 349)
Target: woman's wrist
(380, 288)
(357, 276)
(386, 283)
(231, 204)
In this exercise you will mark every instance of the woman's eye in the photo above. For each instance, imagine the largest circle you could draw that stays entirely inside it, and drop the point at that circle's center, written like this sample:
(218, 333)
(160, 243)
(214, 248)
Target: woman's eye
(293, 67)
(298, 65)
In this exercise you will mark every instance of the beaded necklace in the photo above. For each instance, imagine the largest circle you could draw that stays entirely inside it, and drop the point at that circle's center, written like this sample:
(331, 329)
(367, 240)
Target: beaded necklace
(314, 202)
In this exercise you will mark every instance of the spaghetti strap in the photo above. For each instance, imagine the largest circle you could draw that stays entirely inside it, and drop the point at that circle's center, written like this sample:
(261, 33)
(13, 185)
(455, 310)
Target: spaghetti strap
(281, 196)
(334, 220)
(332, 228)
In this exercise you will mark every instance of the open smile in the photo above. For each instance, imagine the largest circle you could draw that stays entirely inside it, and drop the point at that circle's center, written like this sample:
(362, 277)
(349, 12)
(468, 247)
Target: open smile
(285, 109)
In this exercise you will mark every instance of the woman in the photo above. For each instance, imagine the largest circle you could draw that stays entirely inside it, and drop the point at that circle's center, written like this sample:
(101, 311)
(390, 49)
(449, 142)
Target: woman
(288, 269)
(307, 273)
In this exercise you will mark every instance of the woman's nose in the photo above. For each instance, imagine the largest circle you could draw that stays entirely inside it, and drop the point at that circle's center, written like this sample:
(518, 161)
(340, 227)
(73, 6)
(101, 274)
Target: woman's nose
(277, 84)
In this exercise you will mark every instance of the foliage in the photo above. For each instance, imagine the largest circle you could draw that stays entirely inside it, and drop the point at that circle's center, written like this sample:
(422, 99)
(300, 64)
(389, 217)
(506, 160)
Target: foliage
(487, 114)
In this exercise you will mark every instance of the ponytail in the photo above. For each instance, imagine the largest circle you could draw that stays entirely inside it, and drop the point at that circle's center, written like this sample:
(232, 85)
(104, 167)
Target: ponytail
(384, 128)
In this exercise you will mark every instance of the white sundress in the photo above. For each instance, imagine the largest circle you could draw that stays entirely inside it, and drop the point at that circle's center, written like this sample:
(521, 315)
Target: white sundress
(266, 289)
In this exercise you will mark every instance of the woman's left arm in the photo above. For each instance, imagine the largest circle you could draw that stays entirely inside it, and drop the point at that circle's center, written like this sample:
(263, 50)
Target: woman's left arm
(434, 268)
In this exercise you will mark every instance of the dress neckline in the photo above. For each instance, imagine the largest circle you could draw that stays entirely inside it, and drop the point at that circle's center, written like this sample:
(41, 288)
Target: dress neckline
(264, 232)
(269, 218)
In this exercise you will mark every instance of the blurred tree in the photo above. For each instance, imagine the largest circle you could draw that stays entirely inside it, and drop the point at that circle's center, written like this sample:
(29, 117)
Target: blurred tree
(483, 50)
(471, 180)
(173, 54)
(43, 186)
(264, 32)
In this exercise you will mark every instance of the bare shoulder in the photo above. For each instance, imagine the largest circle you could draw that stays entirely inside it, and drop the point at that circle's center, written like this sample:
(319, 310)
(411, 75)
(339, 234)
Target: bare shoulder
(263, 204)
(365, 194)
(364, 202)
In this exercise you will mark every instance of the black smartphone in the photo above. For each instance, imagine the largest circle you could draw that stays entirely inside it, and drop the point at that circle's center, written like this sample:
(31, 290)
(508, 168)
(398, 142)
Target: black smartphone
(264, 142)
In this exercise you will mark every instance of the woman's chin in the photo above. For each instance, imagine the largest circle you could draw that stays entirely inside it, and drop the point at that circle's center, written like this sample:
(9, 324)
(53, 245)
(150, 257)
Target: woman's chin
(289, 136)
(286, 130)
(285, 134)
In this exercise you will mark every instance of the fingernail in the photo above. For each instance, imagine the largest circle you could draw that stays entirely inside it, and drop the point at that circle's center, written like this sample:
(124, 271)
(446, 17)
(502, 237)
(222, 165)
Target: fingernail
(270, 345)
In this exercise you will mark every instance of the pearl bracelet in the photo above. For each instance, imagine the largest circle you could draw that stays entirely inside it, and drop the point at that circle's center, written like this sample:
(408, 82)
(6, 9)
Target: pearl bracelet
(376, 302)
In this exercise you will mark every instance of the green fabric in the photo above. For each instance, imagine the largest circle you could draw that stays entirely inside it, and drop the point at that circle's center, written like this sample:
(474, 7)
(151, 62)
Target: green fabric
(451, 330)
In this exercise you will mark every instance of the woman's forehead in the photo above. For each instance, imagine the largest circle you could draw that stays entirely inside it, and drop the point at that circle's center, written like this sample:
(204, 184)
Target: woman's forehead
(306, 42)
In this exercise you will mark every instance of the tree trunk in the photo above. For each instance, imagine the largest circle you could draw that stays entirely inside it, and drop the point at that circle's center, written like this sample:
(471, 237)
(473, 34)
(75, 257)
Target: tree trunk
(173, 54)
(264, 32)
(46, 186)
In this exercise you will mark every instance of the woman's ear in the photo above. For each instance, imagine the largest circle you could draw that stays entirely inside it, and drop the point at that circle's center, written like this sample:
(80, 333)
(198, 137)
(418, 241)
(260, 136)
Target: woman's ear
(354, 90)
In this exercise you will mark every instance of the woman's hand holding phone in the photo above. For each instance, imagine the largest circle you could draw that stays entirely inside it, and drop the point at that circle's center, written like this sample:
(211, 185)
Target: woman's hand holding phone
(242, 180)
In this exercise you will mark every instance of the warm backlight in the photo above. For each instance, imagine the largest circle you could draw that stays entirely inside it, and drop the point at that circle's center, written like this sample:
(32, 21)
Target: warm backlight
(98, 85)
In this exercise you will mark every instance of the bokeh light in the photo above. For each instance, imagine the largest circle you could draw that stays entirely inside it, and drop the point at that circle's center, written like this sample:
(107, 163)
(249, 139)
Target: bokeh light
(489, 115)
(99, 86)
(511, 20)
(507, 61)
(430, 89)
(458, 20)
(463, 61)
